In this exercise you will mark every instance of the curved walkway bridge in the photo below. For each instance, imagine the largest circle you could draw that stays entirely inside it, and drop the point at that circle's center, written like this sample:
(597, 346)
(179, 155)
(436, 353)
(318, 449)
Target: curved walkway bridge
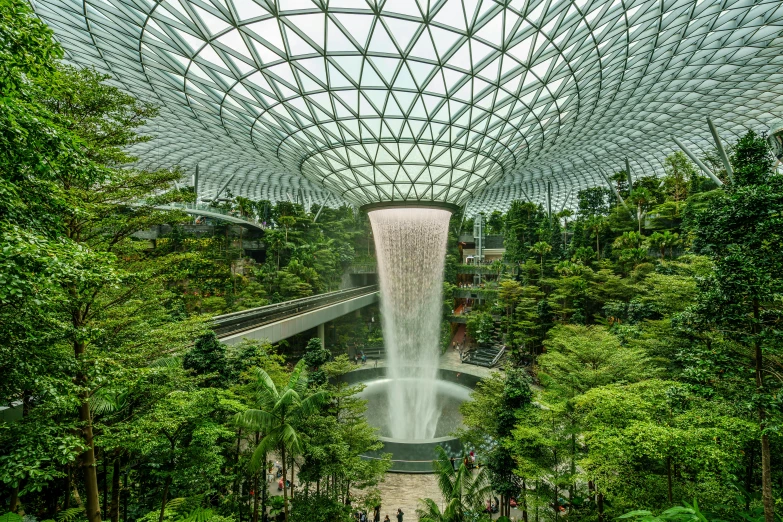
(282, 320)
(201, 209)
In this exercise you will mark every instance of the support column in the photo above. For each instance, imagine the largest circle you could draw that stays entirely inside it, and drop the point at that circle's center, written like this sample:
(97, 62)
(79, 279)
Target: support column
(322, 335)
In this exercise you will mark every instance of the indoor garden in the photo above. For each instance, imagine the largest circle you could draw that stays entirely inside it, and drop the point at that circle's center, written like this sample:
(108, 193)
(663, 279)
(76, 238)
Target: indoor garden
(387, 260)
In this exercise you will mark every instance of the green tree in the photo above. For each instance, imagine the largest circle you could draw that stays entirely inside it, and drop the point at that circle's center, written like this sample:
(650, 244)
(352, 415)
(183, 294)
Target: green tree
(579, 358)
(208, 357)
(679, 171)
(286, 222)
(495, 223)
(594, 201)
(463, 492)
(480, 326)
(664, 240)
(509, 293)
(541, 248)
(596, 225)
(316, 356)
(740, 231)
(276, 415)
(641, 197)
(64, 132)
(564, 215)
(653, 442)
(180, 435)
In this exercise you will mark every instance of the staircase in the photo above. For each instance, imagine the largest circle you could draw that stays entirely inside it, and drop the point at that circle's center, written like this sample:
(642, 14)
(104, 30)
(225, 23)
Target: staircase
(485, 357)
(490, 355)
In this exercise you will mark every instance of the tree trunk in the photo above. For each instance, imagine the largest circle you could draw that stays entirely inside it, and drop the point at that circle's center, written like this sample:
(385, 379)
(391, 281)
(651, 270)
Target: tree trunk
(293, 465)
(255, 497)
(165, 498)
(523, 502)
(600, 507)
(87, 458)
(236, 466)
(572, 486)
(114, 508)
(68, 487)
(639, 217)
(89, 466)
(125, 499)
(14, 499)
(105, 482)
(766, 470)
(536, 510)
(285, 490)
(264, 491)
(749, 477)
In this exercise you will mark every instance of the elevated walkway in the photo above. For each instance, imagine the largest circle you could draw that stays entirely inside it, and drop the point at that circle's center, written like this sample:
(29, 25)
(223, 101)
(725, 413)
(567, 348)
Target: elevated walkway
(211, 212)
(280, 321)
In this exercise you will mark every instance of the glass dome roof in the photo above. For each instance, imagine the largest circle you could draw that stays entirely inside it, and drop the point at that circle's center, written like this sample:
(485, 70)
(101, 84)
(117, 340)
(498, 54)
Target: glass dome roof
(460, 101)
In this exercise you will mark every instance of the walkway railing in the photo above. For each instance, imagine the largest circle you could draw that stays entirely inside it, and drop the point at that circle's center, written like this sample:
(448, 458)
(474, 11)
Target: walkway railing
(228, 324)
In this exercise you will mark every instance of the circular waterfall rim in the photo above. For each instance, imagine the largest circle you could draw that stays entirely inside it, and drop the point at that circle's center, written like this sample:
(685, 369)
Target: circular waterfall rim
(441, 205)
(400, 448)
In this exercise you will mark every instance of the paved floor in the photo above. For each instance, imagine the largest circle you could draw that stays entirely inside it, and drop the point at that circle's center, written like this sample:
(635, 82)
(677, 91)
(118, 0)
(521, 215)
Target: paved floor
(404, 491)
(449, 361)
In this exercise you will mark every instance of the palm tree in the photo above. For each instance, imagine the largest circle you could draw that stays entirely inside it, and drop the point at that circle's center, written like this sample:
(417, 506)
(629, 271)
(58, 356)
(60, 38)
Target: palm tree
(277, 415)
(665, 240)
(497, 267)
(463, 492)
(287, 222)
(541, 248)
(565, 214)
(245, 207)
(596, 225)
(640, 196)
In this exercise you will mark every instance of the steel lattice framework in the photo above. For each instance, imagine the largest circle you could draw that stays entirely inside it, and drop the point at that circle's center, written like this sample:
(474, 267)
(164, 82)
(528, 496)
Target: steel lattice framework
(462, 101)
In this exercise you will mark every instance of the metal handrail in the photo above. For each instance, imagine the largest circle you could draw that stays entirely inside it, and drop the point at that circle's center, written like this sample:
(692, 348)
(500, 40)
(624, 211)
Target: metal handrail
(498, 356)
(235, 322)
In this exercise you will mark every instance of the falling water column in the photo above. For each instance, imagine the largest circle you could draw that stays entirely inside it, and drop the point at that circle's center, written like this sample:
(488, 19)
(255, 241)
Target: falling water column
(410, 243)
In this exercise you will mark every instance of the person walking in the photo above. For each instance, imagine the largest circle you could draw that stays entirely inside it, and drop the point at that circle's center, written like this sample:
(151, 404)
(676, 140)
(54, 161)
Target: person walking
(399, 514)
(453, 466)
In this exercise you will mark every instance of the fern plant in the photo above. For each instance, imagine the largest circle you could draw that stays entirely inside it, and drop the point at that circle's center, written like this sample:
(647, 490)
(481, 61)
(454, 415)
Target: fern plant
(10, 517)
(70, 515)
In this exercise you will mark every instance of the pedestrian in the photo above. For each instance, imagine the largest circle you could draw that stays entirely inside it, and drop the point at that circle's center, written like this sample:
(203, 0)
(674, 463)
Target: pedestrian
(387, 519)
(453, 466)
(364, 358)
(399, 514)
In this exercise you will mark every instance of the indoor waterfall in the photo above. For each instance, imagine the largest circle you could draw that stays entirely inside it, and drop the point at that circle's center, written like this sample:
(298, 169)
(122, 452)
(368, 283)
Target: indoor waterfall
(411, 246)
